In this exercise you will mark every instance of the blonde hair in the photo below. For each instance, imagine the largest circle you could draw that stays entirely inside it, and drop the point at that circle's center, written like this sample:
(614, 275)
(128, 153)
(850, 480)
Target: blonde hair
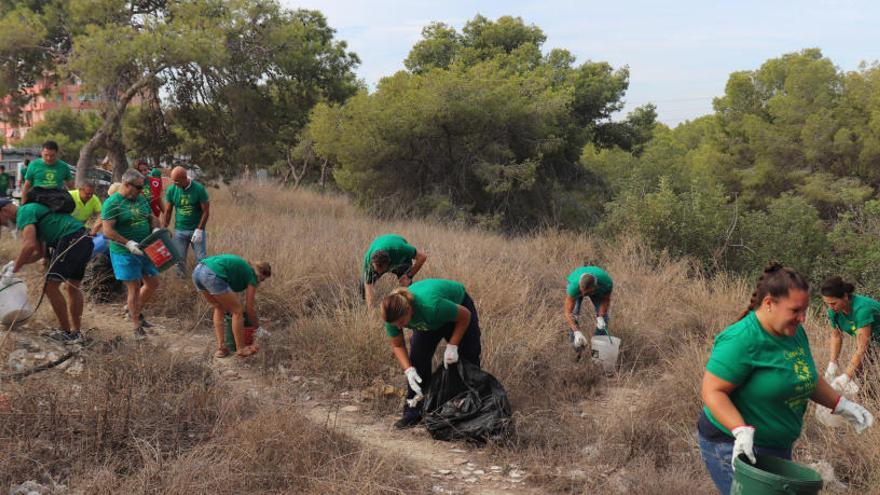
(114, 188)
(263, 268)
(396, 304)
(587, 282)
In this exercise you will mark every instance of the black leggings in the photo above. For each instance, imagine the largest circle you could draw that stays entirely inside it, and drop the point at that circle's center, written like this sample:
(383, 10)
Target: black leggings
(423, 344)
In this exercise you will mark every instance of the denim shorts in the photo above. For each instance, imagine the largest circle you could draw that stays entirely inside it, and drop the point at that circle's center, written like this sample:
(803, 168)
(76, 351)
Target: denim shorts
(128, 267)
(207, 280)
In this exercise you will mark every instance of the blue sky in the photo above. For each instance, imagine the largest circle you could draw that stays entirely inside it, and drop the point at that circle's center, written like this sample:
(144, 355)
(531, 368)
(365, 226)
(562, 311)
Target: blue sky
(679, 53)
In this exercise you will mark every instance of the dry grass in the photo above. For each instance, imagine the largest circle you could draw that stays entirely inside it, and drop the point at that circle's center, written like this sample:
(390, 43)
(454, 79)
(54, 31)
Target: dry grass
(143, 420)
(633, 433)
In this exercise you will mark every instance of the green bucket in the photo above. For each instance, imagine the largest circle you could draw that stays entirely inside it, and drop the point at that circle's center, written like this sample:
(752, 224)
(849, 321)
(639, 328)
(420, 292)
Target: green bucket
(230, 338)
(160, 249)
(774, 476)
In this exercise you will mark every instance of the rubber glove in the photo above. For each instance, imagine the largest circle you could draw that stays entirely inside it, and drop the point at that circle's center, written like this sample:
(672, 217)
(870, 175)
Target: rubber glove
(451, 355)
(6, 274)
(854, 413)
(579, 340)
(198, 236)
(156, 229)
(600, 323)
(830, 371)
(412, 376)
(744, 443)
(133, 248)
(8, 267)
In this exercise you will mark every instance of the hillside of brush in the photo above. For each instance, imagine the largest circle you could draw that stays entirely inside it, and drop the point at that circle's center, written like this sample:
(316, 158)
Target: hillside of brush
(577, 430)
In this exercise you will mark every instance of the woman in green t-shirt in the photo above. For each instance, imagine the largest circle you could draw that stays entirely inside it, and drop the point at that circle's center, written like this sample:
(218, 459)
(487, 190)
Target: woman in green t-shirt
(219, 278)
(435, 310)
(859, 317)
(760, 377)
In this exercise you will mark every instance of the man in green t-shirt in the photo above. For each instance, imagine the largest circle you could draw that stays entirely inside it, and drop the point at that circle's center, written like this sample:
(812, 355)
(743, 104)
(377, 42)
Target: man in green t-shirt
(189, 200)
(47, 172)
(69, 251)
(127, 220)
(390, 253)
(4, 182)
(592, 282)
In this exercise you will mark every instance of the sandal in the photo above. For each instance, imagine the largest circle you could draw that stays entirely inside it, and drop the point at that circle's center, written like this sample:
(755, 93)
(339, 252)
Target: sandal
(247, 351)
(222, 352)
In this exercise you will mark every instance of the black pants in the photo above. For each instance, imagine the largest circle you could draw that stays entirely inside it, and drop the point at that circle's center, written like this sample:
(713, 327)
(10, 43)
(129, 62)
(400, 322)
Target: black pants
(423, 344)
(70, 256)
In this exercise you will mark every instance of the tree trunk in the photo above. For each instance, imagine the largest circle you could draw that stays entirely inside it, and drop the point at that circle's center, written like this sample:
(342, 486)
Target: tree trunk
(116, 154)
(323, 173)
(114, 105)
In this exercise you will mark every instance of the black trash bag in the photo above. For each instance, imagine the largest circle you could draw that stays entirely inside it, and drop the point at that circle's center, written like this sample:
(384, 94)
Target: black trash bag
(466, 403)
(57, 200)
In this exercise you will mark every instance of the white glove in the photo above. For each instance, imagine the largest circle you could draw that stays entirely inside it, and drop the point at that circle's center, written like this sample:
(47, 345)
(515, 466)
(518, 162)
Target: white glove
(262, 333)
(156, 229)
(845, 385)
(198, 236)
(854, 413)
(451, 355)
(600, 323)
(133, 248)
(412, 376)
(744, 443)
(830, 371)
(579, 340)
(8, 267)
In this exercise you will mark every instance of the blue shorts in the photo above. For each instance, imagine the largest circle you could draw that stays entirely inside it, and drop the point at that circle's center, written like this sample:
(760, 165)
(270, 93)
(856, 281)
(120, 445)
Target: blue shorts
(207, 280)
(128, 267)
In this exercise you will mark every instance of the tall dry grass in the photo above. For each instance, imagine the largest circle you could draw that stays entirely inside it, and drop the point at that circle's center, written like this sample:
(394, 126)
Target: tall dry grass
(642, 421)
(630, 433)
(144, 420)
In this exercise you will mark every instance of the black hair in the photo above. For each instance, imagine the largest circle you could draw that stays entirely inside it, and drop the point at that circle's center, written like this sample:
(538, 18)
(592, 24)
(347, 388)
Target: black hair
(50, 145)
(837, 287)
(776, 281)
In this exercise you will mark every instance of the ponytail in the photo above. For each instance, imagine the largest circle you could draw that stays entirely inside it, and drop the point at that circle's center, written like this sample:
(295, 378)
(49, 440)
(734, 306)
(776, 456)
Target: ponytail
(776, 281)
(396, 304)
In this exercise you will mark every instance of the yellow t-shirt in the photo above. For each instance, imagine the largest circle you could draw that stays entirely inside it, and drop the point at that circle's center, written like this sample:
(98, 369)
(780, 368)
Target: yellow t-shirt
(83, 212)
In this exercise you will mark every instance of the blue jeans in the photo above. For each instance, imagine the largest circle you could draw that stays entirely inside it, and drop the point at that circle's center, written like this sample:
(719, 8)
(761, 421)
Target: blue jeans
(206, 280)
(717, 457)
(182, 240)
(577, 312)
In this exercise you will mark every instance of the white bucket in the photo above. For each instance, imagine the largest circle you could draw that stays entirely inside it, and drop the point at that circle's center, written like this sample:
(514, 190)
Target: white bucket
(14, 305)
(605, 351)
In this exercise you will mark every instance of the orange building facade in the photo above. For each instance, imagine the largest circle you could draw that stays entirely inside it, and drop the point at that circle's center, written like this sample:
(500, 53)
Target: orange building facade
(46, 98)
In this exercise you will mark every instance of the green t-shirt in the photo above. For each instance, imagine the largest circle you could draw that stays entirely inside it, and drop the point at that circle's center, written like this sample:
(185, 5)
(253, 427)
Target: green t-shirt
(775, 377)
(865, 312)
(397, 248)
(603, 282)
(435, 304)
(132, 219)
(50, 226)
(187, 204)
(235, 270)
(53, 176)
(4, 182)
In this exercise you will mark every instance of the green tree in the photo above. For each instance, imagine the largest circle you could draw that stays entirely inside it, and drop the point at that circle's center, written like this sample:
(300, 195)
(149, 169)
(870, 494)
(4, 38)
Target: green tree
(71, 130)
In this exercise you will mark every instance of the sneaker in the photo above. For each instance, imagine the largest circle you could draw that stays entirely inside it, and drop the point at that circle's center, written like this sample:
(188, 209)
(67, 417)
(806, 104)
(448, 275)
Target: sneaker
(145, 323)
(407, 421)
(77, 338)
(62, 336)
(139, 333)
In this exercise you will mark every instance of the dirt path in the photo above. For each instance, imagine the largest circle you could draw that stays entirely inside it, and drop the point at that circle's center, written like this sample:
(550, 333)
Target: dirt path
(454, 468)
